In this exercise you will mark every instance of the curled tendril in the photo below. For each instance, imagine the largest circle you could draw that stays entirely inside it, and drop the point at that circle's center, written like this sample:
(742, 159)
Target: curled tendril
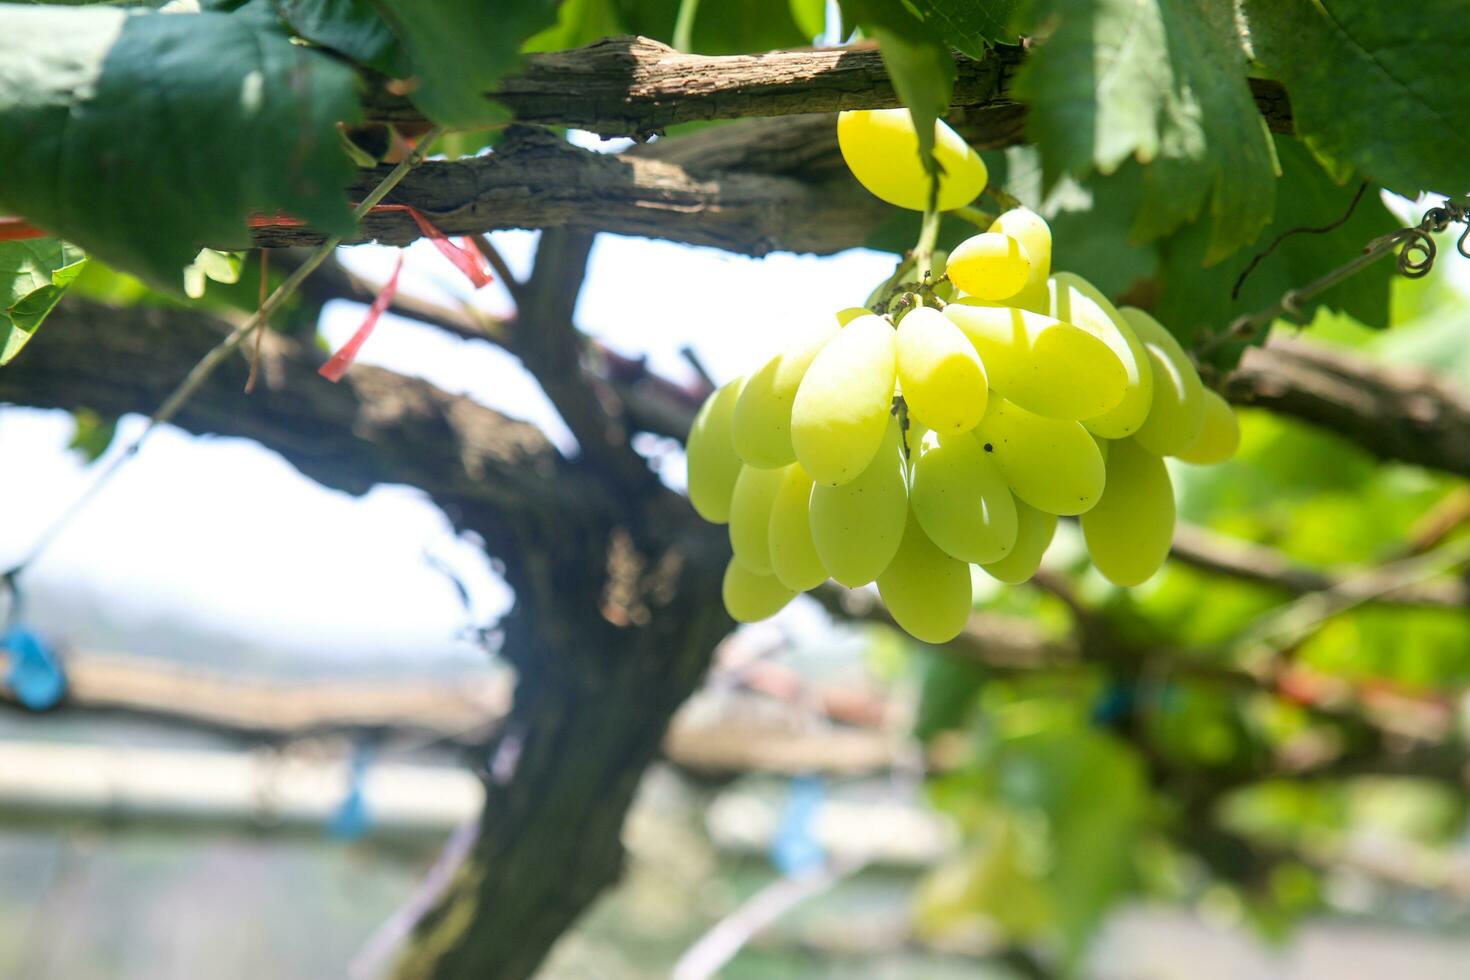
(1418, 254)
(1460, 245)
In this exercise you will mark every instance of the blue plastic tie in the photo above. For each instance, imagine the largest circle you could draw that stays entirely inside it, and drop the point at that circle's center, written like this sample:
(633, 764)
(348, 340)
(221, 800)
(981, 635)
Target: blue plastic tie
(35, 675)
(795, 849)
(352, 819)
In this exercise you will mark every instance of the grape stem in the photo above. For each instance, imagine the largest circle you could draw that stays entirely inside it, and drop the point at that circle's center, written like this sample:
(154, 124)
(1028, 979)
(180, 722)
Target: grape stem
(979, 218)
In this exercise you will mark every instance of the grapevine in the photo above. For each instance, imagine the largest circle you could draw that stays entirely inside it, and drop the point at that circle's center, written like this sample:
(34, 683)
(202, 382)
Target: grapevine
(948, 424)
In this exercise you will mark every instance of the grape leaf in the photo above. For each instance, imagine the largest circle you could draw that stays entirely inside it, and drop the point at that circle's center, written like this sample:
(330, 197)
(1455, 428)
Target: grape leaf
(142, 137)
(578, 22)
(459, 49)
(1383, 87)
(917, 58)
(1163, 82)
(972, 25)
(34, 273)
(352, 27)
(726, 27)
(1192, 297)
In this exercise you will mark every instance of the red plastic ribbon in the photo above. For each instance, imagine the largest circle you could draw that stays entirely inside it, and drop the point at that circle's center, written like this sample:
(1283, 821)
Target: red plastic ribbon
(337, 366)
(465, 256)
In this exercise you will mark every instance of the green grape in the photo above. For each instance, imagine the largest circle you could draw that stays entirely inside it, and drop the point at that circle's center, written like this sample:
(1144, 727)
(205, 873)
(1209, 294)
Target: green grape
(762, 423)
(961, 499)
(750, 517)
(990, 266)
(843, 403)
(1219, 437)
(1078, 302)
(1034, 530)
(851, 313)
(710, 450)
(881, 148)
(1051, 464)
(794, 557)
(943, 380)
(1034, 234)
(1130, 530)
(857, 526)
(750, 596)
(1178, 410)
(1040, 363)
(927, 592)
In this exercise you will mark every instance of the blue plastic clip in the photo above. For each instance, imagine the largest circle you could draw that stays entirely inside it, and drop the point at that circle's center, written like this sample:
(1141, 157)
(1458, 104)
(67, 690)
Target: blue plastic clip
(35, 675)
(352, 819)
(795, 848)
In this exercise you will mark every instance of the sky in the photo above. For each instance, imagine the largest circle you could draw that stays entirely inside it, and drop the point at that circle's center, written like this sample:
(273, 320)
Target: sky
(224, 536)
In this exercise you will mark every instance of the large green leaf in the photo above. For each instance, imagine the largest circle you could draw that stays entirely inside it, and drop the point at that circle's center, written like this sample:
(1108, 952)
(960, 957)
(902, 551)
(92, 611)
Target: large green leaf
(1385, 86)
(1193, 298)
(917, 59)
(459, 49)
(142, 137)
(352, 27)
(972, 25)
(1162, 82)
(720, 26)
(34, 274)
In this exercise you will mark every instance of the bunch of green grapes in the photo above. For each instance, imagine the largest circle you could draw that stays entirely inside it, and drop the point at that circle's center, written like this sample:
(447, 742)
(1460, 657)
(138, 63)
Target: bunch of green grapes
(906, 447)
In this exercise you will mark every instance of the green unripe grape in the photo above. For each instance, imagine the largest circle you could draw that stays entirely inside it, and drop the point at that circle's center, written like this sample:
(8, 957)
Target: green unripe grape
(1051, 464)
(1178, 411)
(794, 558)
(1034, 234)
(1034, 531)
(1219, 437)
(1079, 303)
(843, 403)
(710, 450)
(961, 499)
(927, 592)
(990, 266)
(881, 148)
(942, 378)
(857, 526)
(1040, 363)
(851, 313)
(762, 423)
(1130, 530)
(750, 596)
(750, 517)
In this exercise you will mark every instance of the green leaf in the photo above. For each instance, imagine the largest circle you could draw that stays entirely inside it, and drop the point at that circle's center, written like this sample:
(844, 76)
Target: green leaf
(810, 17)
(351, 27)
(972, 25)
(947, 694)
(1192, 297)
(144, 137)
(93, 434)
(34, 274)
(578, 22)
(459, 50)
(1381, 85)
(917, 58)
(1162, 82)
(720, 26)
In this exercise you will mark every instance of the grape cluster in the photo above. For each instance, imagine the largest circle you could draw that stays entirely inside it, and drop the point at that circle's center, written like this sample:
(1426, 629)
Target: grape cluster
(903, 447)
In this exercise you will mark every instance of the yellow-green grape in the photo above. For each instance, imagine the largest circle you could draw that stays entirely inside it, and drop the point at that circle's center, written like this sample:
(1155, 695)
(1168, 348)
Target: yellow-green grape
(851, 313)
(750, 596)
(991, 266)
(857, 526)
(1130, 530)
(794, 557)
(762, 423)
(961, 499)
(710, 450)
(1034, 234)
(1078, 302)
(750, 517)
(843, 403)
(1051, 464)
(881, 148)
(1102, 446)
(1218, 438)
(927, 592)
(1040, 363)
(1178, 410)
(942, 378)
(1034, 530)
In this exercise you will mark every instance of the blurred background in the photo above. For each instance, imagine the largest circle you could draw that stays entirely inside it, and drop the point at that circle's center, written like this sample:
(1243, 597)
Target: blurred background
(279, 695)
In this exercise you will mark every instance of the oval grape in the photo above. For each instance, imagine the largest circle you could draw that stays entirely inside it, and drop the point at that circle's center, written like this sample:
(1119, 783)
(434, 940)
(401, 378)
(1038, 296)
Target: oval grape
(762, 422)
(881, 148)
(857, 526)
(843, 403)
(1178, 411)
(1051, 464)
(927, 592)
(1219, 437)
(1130, 530)
(943, 381)
(990, 266)
(1034, 531)
(750, 517)
(1034, 234)
(750, 596)
(961, 499)
(710, 452)
(1079, 303)
(794, 558)
(1040, 363)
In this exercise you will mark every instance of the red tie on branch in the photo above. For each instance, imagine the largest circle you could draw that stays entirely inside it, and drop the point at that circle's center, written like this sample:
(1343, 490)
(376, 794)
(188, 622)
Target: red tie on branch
(337, 366)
